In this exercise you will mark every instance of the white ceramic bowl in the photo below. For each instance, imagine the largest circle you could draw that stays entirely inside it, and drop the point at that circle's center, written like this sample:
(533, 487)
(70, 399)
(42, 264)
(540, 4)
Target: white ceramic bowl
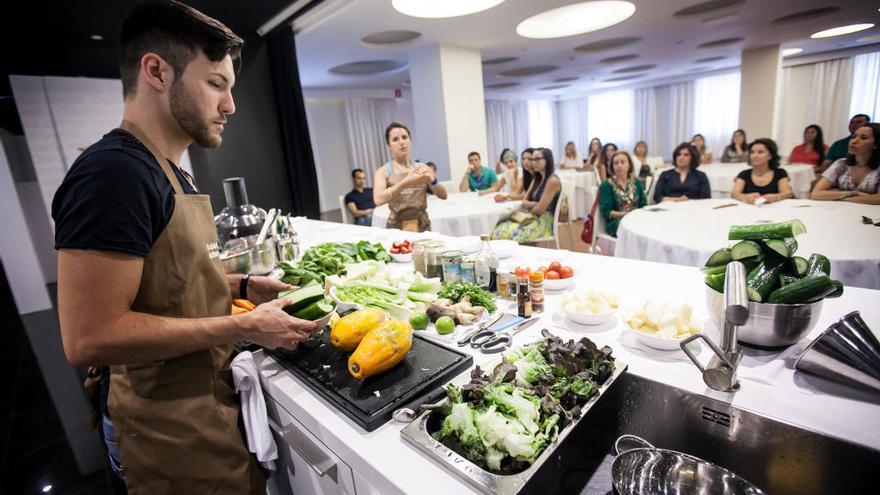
(503, 248)
(587, 318)
(655, 342)
(467, 245)
(401, 258)
(326, 318)
(342, 306)
(559, 284)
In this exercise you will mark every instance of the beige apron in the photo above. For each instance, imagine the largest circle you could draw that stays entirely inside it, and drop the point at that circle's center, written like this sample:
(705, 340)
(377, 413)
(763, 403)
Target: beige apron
(176, 421)
(409, 210)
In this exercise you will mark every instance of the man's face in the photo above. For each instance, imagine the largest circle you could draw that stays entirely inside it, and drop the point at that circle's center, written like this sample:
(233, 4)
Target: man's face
(201, 98)
(475, 164)
(359, 180)
(855, 123)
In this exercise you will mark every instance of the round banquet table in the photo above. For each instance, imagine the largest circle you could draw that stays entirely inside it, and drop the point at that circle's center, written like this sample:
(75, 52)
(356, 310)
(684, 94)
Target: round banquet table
(686, 233)
(583, 182)
(723, 175)
(461, 214)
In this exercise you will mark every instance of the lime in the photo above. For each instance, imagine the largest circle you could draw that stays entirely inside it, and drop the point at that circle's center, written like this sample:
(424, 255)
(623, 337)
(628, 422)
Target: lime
(444, 325)
(419, 321)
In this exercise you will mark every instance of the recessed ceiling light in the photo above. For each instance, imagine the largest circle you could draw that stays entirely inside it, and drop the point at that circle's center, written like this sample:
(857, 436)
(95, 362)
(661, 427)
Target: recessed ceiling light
(499, 60)
(710, 6)
(502, 85)
(709, 59)
(390, 37)
(635, 68)
(623, 78)
(601, 45)
(578, 18)
(840, 31)
(552, 87)
(618, 58)
(529, 71)
(366, 67)
(565, 79)
(442, 10)
(805, 14)
(96, 37)
(721, 42)
(791, 51)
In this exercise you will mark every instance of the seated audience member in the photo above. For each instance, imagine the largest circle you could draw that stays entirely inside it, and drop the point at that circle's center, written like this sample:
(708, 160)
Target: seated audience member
(435, 187)
(640, 160)
(540, 200)
(620, 193)
(477, 177)
(594, 155)
(571, 159)
(510, 180)
(703, 153)
(499, 165)
(684, 181)
(359, 200)
(738, 149)
(856, 177)
(812, 149)
(839, 149)
(765, 180)
(525, 181)
(608, 152)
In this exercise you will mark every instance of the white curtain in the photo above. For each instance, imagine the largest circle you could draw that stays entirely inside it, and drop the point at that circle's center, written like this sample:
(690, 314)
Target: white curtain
(571, 118)
(365, 123)
(610, 117)
(648, 122)
(542, 125)
(507, 126)
(866, 85)
(716, 109)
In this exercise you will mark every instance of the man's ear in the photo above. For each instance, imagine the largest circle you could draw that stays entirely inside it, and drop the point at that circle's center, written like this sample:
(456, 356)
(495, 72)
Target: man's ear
(156, 72)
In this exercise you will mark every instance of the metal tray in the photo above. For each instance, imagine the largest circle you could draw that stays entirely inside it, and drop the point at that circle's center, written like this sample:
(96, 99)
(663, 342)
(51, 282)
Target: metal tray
(417, 434)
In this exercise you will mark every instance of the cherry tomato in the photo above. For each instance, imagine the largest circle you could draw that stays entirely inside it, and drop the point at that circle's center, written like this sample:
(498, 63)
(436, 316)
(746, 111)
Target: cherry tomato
(395, 251)
(556, 266)
(395, 245)
(566, 272)
(551, 275)
(522, 271)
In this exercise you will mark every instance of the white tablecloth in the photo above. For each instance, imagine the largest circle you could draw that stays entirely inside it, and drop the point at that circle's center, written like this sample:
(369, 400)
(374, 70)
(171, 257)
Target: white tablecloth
(461, 214)
(583, 181)
(687, 233)
(723, 175)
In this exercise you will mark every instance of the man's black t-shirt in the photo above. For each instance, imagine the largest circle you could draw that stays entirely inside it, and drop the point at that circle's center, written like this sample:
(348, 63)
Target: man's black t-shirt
(115, 197)
(363, 200)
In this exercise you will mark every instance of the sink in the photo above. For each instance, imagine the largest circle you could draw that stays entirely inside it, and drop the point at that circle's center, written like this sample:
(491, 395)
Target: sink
(777, 457)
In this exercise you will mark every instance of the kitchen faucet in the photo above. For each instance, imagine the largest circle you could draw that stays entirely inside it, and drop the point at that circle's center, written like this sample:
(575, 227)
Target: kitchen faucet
(720, 374)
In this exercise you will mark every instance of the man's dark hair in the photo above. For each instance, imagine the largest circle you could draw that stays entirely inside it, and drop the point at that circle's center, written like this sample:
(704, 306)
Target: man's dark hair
(864, 116)
(431, 164)
(355, 171)
(473, 153)
(174, 31)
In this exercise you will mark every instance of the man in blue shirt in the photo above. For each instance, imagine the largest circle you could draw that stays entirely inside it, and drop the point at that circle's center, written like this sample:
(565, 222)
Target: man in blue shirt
(359, 200)
(839, 149)
(477, 177)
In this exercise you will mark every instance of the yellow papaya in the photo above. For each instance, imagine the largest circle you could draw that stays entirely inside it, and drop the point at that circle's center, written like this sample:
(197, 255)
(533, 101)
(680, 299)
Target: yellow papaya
(380, 349)
(351, 328)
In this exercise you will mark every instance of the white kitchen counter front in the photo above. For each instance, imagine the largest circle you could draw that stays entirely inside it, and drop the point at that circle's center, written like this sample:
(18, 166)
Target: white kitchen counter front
(769, 386)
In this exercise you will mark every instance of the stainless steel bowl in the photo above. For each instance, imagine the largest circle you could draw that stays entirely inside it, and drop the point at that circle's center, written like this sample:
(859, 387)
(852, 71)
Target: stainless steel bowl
(240, 262)
(265, 257)
(769, 325)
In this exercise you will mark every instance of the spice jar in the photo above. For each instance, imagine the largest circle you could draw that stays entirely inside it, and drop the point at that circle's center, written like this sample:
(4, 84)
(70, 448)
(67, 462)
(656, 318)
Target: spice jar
(523, 299)
(433, 259)
(536, 290)
(502, 280)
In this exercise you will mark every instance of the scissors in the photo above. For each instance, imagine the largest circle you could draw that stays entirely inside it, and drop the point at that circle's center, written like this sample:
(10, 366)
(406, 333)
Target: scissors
(490, 342)
(467, 337)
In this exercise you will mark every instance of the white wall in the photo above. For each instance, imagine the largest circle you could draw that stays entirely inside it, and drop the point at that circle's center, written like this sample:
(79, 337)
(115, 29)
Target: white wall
(327, 131)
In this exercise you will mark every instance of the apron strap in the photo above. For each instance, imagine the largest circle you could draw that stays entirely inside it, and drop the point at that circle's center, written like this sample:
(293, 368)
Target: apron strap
(163, 162)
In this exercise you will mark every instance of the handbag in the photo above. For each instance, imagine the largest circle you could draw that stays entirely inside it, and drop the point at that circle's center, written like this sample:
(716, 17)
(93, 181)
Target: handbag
(522, 217)
(587, 233)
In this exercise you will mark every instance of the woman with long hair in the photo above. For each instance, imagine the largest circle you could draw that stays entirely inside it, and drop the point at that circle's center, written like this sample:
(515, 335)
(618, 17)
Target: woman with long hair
(594, 155)
(499, 165)
(571, 159)
(703, 153)
(621, 193)
(608, 152)
(738, 149)
(765, 182)
(812, 150)
(855, 178)
(404, 184)
(540, 200)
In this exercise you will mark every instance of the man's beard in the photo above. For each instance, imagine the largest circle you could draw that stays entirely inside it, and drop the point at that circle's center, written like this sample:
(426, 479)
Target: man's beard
(186, 112)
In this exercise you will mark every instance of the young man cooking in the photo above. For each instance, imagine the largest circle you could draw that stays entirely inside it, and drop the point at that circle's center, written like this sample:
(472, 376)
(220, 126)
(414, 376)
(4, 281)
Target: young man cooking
(142, 296)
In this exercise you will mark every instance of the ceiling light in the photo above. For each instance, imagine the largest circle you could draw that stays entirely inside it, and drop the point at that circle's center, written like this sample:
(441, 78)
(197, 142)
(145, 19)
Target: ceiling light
(46, 488)
(575, 19)
(840, 31)
(444, 9)
(791, 51)
(96, 37)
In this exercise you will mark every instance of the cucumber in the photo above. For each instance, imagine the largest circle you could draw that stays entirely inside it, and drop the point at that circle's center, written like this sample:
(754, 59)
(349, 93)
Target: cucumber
(714, 270)
(719, 258)
(746, 249)
(314, 311)
(716, 281)
(838, 289)
(787, 279)
(799, 266)
(762, 280)
(818, 264)
(781, 230)
(783, 247)
(302, 297)
(802, 291)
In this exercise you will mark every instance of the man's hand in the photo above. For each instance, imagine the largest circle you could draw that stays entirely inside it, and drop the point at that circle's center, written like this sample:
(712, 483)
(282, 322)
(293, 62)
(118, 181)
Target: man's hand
(264, 289)
(269, 326)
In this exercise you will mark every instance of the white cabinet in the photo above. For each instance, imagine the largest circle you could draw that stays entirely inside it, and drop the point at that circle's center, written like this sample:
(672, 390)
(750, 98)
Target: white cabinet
(305, 466)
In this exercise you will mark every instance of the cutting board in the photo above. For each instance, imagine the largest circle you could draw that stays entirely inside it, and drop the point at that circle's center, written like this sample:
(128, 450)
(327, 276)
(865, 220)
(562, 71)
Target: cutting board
(370, 402)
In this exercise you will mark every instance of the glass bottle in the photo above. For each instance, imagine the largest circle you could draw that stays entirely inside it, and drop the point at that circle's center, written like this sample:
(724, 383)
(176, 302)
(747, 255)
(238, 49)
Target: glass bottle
(486, 266)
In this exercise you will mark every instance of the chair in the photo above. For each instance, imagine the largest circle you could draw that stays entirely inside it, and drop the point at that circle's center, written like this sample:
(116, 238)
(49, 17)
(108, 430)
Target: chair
(346, 215)
(649, 190)
(555, 237)
(602, 242)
